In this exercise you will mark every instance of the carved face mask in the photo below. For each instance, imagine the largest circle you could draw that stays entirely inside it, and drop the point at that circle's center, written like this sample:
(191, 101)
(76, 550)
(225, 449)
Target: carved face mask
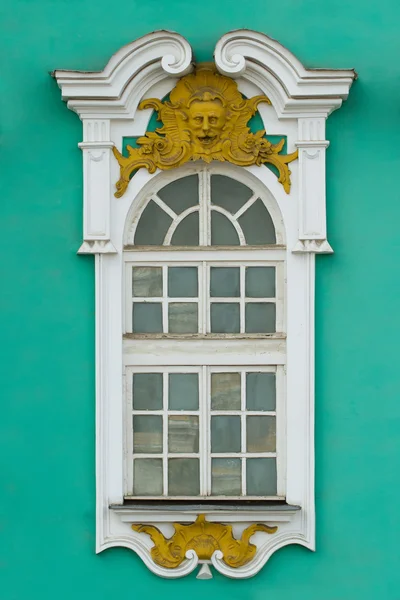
(206, 121)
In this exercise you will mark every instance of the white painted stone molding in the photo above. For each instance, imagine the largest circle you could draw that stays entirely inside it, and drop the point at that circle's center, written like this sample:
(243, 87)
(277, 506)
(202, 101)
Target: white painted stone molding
(311, 145)
(114, 93)
(293, 89)
(132, 70)
(308, 95)
(107, 103)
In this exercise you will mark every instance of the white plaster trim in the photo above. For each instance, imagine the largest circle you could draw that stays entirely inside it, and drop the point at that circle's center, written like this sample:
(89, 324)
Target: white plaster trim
(97, 247)
(271, 517)
(107, 103)
(295, 89)
(151, 57)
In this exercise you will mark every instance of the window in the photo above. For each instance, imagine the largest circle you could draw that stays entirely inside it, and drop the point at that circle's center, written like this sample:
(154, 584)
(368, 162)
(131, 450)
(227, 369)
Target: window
(204, 287)
(203, 266)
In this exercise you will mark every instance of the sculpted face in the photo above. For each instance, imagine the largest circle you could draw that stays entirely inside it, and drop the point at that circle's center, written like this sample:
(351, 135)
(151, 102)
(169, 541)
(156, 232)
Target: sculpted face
(206, 120)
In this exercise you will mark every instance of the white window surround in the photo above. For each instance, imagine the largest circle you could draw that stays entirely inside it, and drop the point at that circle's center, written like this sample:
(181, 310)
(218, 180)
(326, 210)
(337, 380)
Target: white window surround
(107, 103)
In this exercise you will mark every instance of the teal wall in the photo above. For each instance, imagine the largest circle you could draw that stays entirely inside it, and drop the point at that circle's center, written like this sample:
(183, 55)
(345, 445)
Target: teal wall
(47, 521)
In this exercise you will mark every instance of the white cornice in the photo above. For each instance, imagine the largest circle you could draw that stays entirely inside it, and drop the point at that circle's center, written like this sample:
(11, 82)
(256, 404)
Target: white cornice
(137, 66)
(294, 90)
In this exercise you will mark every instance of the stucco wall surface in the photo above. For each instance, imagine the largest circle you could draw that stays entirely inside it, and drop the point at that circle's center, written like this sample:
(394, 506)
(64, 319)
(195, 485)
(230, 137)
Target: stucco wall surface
(47, 522)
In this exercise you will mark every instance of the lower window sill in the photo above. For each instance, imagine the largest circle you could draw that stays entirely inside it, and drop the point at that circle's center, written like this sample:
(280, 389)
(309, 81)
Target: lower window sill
(168, 512)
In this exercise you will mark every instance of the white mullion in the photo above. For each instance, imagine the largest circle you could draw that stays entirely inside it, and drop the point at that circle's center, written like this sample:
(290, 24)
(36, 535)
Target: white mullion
(242, 454)
(204, 196)
(242, 300)
(280, 424)
(164, 299)
(201, 209)
(183, 455)
(128, 297)
(186, 299)
(207, 190)
(207, 298)
(164, 206)
(231, 300)
(128, 450)
(182, 413)
(260, 300)
(141, 413)
(204, 433)
(236, 413)
(203, 295)
(147, 455)
(234, 368)
(244, 431)
(279, 294)
(246, 206)
(165, 434)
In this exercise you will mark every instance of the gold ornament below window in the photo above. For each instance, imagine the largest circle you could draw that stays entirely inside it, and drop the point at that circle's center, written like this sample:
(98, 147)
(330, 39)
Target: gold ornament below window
(204, 538)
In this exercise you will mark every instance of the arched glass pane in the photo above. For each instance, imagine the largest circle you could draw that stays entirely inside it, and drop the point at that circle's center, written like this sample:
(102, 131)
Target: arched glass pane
(187, 232)
(229, 193)
(257, 225)
(153, 226)
(181, 194)
(223, 232)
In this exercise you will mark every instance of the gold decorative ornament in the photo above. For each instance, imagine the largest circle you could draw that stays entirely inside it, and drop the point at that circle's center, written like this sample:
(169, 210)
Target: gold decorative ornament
(204, 538)
(206, 118)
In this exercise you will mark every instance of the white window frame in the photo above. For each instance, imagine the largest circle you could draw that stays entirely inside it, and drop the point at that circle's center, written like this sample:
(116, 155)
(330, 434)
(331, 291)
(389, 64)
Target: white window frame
(199, 360)
(204, 373)
(107, 104)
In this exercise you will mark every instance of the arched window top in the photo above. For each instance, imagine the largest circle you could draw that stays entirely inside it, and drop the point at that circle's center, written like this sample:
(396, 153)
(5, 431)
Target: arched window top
(206, 208)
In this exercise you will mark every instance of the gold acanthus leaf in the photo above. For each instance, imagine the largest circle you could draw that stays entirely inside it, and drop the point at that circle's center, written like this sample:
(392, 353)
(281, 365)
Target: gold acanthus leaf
(205, 119)
(204, 538)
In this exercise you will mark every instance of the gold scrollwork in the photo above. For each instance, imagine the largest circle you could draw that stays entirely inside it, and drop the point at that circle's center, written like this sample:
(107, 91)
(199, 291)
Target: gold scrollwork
(206, 118)
(204, 538)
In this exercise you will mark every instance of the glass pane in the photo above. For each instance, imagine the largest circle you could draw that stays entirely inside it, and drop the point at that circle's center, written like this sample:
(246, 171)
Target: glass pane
(260, 282)
(261, 477)
(225, 282)
(147, 434)
(181, 194)
(260, 391)
(225, 391)
(183, 391)
(153, 226)
(187, 232)
(260, 318)
(261, 434)
(147, 281)
(257, 225)
(183, 433)
(225, 318)
(147, 317)
(225, 434)
(147, 391)
(223, 232)
(229, 193)
(147, 477)
(226, 477)
(182, 282)
(183, 317)
(183, 477)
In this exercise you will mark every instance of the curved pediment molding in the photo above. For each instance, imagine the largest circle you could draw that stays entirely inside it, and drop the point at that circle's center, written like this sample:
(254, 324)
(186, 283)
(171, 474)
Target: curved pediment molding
(294, 90)
(136, 66)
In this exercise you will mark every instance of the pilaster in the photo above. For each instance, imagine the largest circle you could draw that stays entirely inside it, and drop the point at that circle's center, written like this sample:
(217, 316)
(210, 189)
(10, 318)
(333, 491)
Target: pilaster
(96, 148)
(312, 146)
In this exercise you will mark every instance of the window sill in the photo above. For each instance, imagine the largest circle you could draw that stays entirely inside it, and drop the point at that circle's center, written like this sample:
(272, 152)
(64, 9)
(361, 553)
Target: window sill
(156, 512)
